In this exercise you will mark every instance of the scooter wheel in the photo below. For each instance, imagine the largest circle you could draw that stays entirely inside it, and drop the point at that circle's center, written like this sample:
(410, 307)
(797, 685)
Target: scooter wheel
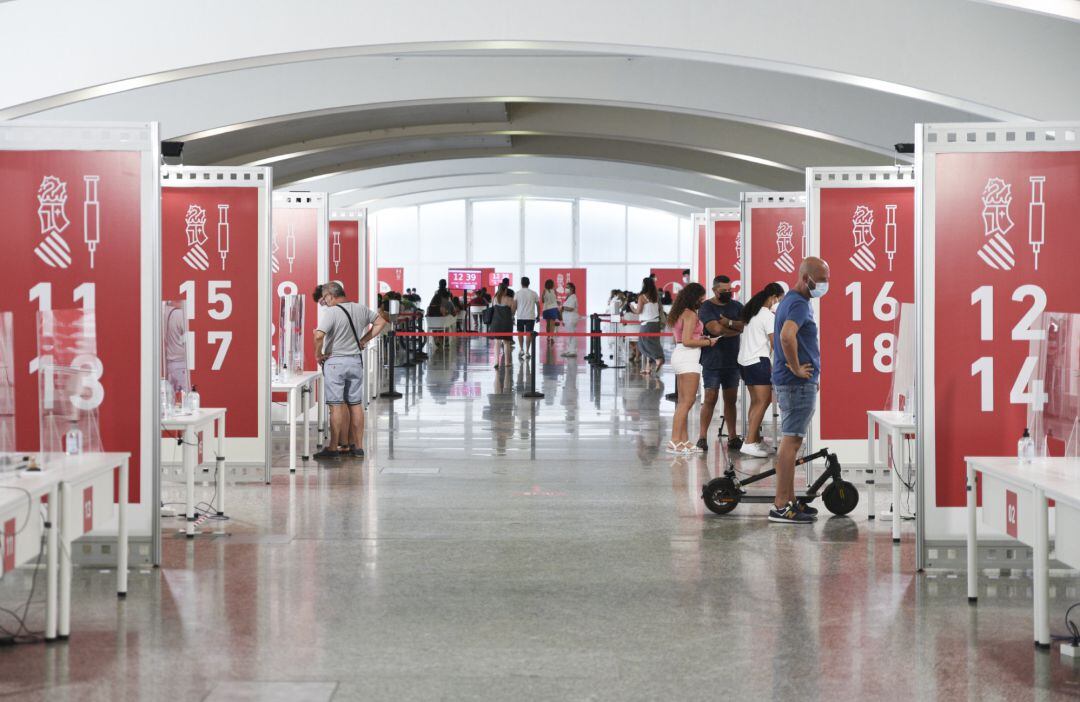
(840, 497)
(720, 495)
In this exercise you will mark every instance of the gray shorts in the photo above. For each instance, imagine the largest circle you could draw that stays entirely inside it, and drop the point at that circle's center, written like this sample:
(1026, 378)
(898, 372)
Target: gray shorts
(343, 377)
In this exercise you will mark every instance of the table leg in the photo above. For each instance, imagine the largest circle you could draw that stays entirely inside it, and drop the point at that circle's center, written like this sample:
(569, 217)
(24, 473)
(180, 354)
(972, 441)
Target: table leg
(292, 430)
(1041, 569)
(221, 465)
(122, 534)
(51, 563)
(191, 447)
(305, 410)
(896, 456)
(64, 554)
(972, 539)
(871, 468)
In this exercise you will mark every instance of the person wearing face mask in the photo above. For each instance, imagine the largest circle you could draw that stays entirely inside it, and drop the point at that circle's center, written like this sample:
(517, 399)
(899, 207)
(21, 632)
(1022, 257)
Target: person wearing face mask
(795, 379)
(755, 365)
(722, 316)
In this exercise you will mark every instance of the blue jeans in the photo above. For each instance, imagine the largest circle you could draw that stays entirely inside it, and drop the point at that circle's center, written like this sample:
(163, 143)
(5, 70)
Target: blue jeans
(797, 407)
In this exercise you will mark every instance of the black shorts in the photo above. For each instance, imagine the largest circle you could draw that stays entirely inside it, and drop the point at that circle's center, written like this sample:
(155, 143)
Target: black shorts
(716, 378)
(758, 374)
(526, 325)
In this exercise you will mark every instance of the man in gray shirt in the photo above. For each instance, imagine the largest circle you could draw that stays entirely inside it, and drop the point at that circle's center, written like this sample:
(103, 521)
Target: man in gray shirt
(342, 334)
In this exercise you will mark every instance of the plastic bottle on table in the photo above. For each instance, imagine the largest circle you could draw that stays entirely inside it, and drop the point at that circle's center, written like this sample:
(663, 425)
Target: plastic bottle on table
(73, 439)
(193, 399)
(1025, 448)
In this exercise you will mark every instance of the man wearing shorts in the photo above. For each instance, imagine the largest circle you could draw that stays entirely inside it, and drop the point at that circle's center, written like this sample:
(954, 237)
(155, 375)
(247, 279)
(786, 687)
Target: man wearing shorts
(528, 311)
(795, 381)
(721, 316)
(341, 336)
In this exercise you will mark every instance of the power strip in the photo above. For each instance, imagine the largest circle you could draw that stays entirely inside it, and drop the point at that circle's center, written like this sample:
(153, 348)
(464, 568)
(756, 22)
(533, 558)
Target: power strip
(1070, 650)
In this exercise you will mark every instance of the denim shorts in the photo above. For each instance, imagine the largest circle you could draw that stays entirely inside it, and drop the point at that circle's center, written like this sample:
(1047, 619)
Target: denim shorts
(343, 377)
(797, 407)
(758, 374)
(725, 378)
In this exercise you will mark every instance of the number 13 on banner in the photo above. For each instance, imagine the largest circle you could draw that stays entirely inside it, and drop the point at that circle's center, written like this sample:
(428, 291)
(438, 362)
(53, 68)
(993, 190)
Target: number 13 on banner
(983, 367)
(92, 392)
(219, 307)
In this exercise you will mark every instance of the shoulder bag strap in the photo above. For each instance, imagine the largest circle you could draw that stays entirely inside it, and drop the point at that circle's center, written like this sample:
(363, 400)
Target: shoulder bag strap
(348, 318)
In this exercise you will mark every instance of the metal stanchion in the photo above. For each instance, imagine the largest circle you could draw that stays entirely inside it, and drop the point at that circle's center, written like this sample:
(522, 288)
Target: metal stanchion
(391, 393)
(595, 348)
(532, 393)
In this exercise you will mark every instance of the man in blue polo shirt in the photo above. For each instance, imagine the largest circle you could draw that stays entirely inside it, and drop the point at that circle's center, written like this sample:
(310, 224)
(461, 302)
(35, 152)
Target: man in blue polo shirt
(795, 381)
(722, 317)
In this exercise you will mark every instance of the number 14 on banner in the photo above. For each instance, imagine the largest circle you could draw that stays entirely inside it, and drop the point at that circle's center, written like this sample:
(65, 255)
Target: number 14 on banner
(984, 365)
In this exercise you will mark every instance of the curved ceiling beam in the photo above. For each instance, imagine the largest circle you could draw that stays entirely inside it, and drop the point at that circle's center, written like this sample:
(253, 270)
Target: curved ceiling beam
(347, 187)
(688, 200)
(825, 40)
(280, 143)
(719, 167)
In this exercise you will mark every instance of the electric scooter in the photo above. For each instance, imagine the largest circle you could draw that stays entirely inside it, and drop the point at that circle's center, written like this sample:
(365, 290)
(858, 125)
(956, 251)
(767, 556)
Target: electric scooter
(723, 494)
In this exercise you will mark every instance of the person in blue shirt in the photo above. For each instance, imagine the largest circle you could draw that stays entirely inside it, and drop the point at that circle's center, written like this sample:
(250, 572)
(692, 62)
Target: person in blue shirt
(795, 381)
(722, 317)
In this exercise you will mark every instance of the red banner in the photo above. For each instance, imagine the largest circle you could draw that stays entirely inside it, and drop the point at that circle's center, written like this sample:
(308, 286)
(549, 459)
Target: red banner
(495, 279)
(295, 265)
(210, 260)
(391, 280)
(727, 252)
(867, 235)
(562, 276)
(459, 280)
(72, 237)
(778, 246)
(669, 279)
(1006, 250)
(344, 252)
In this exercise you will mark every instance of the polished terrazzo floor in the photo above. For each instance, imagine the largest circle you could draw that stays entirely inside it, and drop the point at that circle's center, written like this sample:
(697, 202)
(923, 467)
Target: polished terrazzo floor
(493, 547)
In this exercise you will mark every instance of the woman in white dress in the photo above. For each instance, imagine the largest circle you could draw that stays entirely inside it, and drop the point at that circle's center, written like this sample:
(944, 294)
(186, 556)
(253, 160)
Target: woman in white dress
(570, 318)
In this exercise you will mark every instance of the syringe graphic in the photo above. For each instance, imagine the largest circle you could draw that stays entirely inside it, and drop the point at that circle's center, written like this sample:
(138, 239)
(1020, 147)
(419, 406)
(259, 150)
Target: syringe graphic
(1037, 216)
(335, 251)
(290, 247)
(91, 215)
(223, 232)
(890, 232)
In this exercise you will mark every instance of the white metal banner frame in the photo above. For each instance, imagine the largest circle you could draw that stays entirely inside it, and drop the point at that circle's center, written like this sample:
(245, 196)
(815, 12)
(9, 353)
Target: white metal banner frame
(248, 450)
(853, 452)
(712, 216)
(938, 529)
(143, 518)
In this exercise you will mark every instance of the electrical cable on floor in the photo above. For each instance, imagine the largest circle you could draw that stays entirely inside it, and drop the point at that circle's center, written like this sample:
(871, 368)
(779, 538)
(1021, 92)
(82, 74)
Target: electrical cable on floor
(1073, 637)
(23, 634)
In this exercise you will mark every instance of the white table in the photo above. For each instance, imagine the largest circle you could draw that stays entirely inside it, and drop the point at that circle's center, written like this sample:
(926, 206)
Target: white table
(301, 384)
(894, 426)
(81, 495)
(1015, 502)
(87, 498)
(191, 424)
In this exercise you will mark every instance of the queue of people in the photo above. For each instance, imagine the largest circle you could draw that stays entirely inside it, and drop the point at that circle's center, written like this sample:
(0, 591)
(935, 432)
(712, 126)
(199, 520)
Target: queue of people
(770, 344)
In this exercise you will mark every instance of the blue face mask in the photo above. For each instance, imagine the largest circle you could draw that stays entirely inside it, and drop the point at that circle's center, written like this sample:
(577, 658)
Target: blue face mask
(819, 289)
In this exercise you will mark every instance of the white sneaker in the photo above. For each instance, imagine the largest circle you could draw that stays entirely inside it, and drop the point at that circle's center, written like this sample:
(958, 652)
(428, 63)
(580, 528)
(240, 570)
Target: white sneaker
(756, 450)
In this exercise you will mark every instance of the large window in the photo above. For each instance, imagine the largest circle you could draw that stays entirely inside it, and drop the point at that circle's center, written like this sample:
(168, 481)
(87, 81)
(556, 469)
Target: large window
(615, 243)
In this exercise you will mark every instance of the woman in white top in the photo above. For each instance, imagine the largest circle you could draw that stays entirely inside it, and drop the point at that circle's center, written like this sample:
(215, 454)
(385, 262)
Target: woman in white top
(570, 318)
(550, 310)
(755, 352)
(648, 309)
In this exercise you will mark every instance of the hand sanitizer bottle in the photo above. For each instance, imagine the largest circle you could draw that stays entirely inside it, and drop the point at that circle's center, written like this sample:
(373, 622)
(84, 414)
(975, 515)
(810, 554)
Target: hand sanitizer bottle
(166, 398)
(193, 399)
(73, 439)
(1025, 448)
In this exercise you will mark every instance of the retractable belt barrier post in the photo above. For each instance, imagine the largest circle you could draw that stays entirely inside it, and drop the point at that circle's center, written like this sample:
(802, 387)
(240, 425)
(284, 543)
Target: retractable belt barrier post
(390, 393)
(532, 393)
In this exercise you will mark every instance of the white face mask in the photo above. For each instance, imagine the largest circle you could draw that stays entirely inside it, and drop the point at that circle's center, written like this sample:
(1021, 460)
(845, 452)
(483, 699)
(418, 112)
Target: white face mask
(819, 289)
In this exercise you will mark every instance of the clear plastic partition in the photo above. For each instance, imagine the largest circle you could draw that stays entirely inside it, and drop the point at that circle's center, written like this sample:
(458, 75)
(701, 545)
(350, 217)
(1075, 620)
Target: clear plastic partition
(290, 341)
(902, 391)
(69, 381)
(1054, 385)
(175, 362)
(7, 385)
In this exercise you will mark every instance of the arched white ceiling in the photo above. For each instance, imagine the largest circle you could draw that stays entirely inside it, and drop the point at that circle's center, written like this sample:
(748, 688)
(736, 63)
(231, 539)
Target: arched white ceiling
(680, 102)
